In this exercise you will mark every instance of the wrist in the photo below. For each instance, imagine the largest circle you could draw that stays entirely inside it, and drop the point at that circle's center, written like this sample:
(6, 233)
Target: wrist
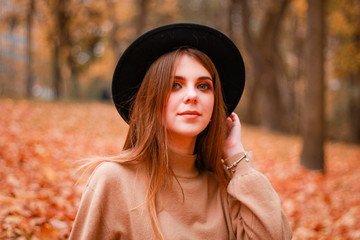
(233, 150)
(230, 165)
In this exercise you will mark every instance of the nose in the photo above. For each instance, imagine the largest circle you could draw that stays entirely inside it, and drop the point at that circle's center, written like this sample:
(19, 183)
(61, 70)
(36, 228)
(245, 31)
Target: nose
(191, 96)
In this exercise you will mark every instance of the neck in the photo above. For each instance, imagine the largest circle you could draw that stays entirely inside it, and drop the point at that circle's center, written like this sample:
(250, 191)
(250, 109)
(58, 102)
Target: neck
(183, 165)
(181, 144)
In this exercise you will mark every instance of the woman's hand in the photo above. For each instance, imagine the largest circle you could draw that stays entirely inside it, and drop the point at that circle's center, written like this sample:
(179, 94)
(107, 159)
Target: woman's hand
(233, 144)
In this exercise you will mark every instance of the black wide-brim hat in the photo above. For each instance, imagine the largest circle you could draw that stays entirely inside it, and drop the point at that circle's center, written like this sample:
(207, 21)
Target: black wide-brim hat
(138, 57)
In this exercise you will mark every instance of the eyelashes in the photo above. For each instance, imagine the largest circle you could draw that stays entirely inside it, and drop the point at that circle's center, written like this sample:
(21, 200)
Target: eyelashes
(204, 86)
(201, 86)
(176, 85)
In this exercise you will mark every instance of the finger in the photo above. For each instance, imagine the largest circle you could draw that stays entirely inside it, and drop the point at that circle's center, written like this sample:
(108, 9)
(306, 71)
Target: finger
(228, 120)
(231, 119)
(235, 118)
(228, 123)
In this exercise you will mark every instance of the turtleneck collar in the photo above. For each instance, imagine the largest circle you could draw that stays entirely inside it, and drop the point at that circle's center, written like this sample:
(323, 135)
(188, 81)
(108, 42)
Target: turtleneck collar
(183, 165)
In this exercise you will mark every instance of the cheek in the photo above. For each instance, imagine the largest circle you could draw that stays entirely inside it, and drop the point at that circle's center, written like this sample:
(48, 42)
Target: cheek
(169, 107)
(210, 105)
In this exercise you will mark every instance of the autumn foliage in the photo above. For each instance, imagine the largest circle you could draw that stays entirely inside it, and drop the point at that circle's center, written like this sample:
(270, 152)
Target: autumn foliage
(40, 144)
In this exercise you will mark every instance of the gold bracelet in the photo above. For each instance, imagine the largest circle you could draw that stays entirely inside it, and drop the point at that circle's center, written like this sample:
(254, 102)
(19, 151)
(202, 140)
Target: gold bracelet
(234, 164)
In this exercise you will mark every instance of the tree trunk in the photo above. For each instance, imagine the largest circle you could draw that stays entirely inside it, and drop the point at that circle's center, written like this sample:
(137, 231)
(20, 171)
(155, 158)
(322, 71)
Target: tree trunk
(141, 16)
(269, 98)
(60, 40)
(75, 91)
(312, 156)
(263, 51)
(13, 69)
(29, 75)
(222, 14)
(57, 79)
(114, 42)
(230, 12)
(354, 102)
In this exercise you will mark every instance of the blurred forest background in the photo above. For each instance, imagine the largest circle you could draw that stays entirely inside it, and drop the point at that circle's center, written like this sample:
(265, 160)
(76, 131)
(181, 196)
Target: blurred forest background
(302, 62)
(67, 49)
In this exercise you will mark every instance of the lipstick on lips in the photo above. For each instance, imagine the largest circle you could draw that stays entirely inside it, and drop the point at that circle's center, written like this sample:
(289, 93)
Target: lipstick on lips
(190, 114)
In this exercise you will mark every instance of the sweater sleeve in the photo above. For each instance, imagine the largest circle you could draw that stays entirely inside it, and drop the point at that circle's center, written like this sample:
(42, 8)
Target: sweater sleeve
(96, 208)
(255, 209)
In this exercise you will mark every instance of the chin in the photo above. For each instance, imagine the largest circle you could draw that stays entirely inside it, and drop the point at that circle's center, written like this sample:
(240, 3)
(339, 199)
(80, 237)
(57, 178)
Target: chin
(187, 129)
(191, 132)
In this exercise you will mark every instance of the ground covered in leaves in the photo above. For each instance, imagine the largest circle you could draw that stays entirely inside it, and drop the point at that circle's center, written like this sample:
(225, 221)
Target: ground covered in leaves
(40, 143)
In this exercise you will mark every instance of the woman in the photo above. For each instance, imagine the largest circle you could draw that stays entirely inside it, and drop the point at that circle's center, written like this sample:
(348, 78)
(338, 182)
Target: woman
(169, 181)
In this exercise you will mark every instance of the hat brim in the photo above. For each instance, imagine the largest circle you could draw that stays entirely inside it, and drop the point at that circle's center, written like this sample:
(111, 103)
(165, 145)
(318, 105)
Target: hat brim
(138, 57)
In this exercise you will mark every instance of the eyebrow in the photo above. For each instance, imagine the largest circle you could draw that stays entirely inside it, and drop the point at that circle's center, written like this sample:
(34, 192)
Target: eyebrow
(200, 78)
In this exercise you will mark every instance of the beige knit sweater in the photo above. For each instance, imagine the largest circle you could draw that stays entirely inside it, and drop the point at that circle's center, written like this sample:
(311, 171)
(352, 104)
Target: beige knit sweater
(112, 206)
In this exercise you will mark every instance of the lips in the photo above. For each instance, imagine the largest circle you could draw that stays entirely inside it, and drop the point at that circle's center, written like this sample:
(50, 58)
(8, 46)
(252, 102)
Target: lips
(190, 114)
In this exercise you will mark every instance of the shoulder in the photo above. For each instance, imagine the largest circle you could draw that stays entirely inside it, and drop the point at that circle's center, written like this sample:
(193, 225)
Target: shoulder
(111, 175)
(111, 169)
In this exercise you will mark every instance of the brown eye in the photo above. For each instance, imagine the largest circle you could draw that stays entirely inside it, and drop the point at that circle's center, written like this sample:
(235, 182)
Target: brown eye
(204, 86)
(176, 85)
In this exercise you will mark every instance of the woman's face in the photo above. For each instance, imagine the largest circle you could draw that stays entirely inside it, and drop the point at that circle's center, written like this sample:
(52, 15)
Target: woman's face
(191, 101)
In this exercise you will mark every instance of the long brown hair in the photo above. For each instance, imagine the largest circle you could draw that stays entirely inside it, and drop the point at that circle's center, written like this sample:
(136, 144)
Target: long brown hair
(146, 142)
